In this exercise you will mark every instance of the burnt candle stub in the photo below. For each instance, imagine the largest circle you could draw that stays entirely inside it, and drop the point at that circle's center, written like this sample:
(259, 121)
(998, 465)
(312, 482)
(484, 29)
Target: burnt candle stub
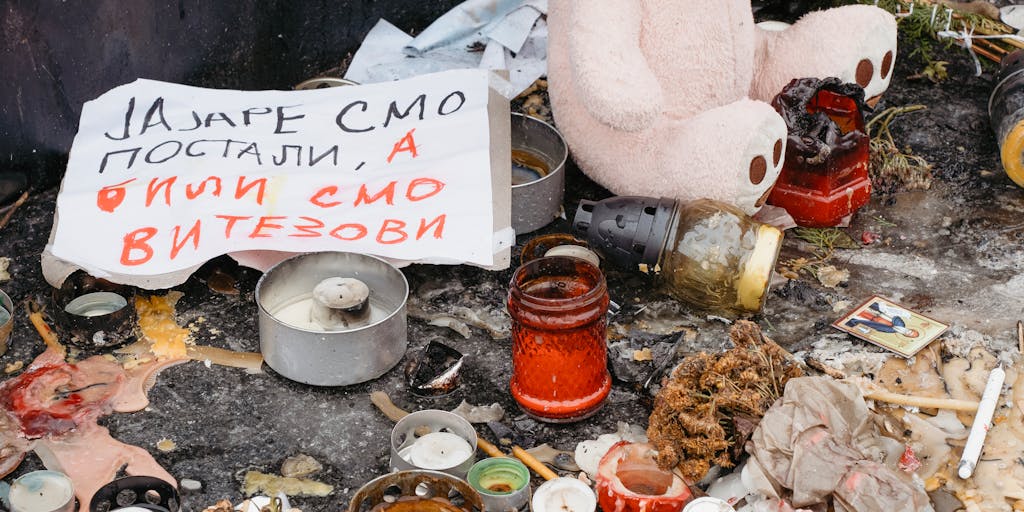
(341, 303)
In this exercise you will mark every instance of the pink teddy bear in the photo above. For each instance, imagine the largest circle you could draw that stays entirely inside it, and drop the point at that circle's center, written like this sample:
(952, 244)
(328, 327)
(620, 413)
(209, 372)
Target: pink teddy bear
(669, 97)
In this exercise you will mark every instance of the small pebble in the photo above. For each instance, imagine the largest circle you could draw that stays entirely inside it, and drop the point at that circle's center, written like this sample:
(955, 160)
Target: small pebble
(190, 485)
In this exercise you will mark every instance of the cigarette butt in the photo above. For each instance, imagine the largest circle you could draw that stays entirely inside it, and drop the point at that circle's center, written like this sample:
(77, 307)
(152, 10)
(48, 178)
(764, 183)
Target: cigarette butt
(489, 448)
(534, 464)
(982, 422)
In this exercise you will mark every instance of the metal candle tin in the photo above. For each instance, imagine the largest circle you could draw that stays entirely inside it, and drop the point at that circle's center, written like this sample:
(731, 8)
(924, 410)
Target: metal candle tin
(6, 321)
(503, 484)
(538, 173)
(418, 424)
(136, 492)
(422, 491)
(339, 357)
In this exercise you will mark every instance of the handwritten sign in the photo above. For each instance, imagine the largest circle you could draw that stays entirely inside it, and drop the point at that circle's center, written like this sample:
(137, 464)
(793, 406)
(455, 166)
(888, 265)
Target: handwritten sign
(162, 177)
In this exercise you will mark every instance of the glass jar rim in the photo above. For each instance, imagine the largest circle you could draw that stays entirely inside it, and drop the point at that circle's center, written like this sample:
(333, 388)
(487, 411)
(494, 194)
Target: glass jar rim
(596, 282)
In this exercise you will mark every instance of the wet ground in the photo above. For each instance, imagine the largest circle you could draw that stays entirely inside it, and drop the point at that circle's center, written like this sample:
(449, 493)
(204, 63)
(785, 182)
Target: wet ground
(954, 252)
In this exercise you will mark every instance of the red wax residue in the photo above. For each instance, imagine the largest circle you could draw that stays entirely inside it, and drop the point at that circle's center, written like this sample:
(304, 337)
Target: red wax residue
(54, 399)
(559, 352)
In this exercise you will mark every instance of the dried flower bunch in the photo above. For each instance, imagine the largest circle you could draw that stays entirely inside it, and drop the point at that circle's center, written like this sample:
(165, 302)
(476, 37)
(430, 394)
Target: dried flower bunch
(713, 402)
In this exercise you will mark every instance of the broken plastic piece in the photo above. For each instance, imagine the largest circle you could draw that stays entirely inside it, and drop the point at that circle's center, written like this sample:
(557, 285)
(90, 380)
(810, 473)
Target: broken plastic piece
(558, 458)
(434, 371)
(480, 413)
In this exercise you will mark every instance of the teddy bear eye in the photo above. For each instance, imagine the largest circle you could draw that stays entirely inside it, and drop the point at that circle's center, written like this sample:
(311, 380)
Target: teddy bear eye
(758, 169)
(865, 70)
(886, 65)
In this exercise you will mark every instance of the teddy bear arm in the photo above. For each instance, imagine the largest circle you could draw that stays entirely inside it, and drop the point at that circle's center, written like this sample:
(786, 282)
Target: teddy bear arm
(856, 43)
(610, 72)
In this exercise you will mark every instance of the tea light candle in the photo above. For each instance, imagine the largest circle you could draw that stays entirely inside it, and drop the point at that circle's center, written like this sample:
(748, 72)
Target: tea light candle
(564, 495)
(42, 491)
(438, 450)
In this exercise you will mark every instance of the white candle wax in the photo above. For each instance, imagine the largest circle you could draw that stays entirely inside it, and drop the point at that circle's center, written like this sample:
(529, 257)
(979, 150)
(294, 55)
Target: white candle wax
(42, 491)
(564, 495)
(438, 450)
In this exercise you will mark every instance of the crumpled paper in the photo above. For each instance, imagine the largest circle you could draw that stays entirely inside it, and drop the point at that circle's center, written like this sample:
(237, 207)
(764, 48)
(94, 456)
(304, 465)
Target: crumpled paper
(818, 441)
(501, 35)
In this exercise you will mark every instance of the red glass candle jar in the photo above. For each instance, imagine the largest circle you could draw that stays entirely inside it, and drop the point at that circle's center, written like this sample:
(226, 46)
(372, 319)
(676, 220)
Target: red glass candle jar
(824, 176)
(558, 306)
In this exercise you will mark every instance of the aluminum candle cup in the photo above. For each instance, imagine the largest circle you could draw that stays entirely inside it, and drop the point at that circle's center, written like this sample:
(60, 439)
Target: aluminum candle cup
(416, 491)
(42, 491)
(298, 348)
(433, 440)
(6, 321)
(538, 173)
(134, 493)
(503, 484)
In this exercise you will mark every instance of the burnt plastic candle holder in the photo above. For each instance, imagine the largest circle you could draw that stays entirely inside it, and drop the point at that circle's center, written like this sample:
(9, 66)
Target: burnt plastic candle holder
(95, 313)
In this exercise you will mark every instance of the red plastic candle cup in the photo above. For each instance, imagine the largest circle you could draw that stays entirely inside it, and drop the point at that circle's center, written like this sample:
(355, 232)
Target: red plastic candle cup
(558, 306)
(629, 480)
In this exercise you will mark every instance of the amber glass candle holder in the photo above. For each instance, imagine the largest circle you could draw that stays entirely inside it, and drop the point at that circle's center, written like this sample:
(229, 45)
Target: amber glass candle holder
(558, 306)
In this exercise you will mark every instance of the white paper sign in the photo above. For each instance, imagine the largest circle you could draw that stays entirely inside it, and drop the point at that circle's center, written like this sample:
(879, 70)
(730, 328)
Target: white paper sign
(162, 177)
